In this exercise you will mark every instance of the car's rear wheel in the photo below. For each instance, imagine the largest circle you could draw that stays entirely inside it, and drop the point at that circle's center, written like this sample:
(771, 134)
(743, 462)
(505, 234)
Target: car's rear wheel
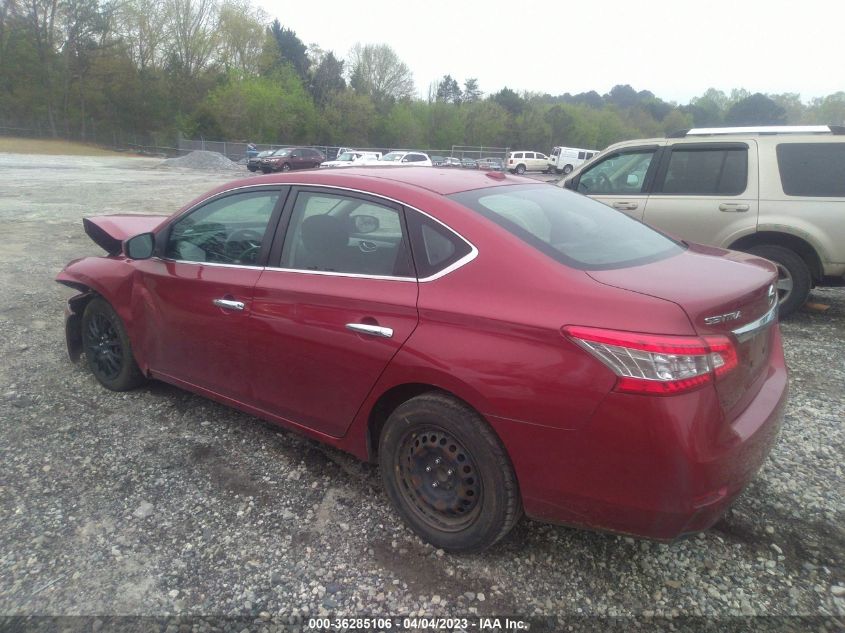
(794, 278)
(520, 169)
(447, 474)
(107, 349)
(567, 169)
(251, 168)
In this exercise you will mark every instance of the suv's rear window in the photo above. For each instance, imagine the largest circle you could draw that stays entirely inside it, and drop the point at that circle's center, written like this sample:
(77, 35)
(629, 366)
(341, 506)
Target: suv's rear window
(812, 169)
(570, 228)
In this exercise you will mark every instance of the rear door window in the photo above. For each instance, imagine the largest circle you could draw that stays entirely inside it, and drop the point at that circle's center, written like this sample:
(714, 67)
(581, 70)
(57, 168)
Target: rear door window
(812, 169)
(696, 170)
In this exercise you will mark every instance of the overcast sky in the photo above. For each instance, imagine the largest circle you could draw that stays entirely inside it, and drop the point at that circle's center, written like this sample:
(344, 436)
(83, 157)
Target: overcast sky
(677, 49)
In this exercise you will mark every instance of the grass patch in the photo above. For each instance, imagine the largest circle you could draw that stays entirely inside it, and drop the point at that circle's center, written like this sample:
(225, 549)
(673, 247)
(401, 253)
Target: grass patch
(14, 145)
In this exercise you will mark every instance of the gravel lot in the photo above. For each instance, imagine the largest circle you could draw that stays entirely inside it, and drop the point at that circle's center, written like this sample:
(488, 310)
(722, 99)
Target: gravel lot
(159, 502)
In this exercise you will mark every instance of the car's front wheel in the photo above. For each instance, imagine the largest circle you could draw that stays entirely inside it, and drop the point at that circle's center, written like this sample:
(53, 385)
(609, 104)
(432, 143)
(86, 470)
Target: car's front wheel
(107, 349)
(794, 277)
(447, 474)
(286, 167)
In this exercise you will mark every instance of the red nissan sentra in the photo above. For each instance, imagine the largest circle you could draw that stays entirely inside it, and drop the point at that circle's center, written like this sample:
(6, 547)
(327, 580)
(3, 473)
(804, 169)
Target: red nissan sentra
(498, 345)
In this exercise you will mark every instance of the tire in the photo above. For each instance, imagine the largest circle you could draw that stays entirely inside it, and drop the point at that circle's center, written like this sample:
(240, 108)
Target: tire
(286, 167)
(252, 169)
(108, 352)
(520, 169)
(558, 171)
(435, 441)
(567, 169)
(794, 278)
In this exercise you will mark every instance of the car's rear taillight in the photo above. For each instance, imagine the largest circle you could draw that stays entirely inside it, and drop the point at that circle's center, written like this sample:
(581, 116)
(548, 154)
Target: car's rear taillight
(656, 364)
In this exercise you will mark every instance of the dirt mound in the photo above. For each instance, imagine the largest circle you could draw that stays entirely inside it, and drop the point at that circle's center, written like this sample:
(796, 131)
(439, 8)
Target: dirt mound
(201, 159)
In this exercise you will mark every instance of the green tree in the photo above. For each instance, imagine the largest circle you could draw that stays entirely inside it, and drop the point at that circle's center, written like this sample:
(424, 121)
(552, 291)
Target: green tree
(376, 71)
(448, 90)
(472, 93)
(757, 109)
(327, 78)
(348, 119)
(241, 36)
(509, 100)
(268, 109)
(289, 49)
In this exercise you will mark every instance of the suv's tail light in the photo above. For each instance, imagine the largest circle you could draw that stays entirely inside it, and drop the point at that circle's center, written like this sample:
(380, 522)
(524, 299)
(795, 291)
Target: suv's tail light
(655, 364)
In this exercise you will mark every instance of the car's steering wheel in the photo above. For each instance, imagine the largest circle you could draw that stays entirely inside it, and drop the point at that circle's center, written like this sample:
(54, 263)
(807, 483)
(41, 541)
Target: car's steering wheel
(243, 245)
(603, 184)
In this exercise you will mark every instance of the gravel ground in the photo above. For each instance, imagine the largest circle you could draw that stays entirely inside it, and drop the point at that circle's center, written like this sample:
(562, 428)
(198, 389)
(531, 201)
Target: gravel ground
(159, 502)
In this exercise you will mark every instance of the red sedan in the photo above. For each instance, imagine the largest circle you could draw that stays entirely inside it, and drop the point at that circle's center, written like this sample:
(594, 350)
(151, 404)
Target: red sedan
(498, 345)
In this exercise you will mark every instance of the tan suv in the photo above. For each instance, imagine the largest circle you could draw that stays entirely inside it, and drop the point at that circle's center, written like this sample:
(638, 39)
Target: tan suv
(522, 161)
(777, 192)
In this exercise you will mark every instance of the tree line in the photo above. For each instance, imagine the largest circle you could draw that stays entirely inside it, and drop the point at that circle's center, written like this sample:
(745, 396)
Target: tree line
(154, 69)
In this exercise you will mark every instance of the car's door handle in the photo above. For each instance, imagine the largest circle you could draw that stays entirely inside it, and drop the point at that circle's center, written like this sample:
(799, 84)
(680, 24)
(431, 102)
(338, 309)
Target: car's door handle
(733, 206)
(625, 206)
(229, 304)
(372, 330)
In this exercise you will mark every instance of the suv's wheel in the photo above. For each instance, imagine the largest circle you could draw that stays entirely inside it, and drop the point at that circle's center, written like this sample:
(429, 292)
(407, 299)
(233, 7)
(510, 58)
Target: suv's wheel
(558, 170)
(520, 169)
(107, 349)
(567, 169)
(447, 474)
(794, 278)
(286, 167)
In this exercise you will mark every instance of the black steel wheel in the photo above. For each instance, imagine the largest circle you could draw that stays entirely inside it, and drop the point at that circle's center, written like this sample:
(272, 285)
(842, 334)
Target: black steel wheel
(438, 478)
(107, 349)
(447, 474)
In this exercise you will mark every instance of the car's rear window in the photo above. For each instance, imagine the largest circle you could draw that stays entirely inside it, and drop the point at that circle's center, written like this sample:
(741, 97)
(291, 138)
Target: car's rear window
(571, 228)
(812, 169)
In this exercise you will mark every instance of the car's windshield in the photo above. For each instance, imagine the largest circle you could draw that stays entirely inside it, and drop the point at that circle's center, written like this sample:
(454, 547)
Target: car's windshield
(281, 152)
(393, 156)
(570, 228)
(346, 157)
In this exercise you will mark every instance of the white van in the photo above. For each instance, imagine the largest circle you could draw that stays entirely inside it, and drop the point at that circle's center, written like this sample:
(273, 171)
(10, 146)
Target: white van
(564, 159)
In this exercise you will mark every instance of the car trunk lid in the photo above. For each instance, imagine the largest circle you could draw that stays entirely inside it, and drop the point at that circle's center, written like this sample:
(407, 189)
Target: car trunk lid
(723, 293)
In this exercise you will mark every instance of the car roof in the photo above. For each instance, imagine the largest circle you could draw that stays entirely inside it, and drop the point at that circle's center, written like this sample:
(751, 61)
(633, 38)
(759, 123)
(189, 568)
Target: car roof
(378, 179)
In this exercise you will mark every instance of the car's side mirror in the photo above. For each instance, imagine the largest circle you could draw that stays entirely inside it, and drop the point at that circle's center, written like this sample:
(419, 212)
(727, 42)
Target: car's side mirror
(365, 223)
(140, 247)
(404, 160)
(571, 184)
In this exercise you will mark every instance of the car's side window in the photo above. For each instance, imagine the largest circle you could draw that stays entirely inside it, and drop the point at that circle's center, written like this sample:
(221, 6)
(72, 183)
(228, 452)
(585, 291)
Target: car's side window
(336, 233)
(812, 169)
(228, 230)
(702, 171)
(435, 246)
(619, 174)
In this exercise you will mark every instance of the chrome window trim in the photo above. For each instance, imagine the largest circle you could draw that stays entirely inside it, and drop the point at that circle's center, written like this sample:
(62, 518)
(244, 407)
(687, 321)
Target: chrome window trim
(473, 253)
(749, 330)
